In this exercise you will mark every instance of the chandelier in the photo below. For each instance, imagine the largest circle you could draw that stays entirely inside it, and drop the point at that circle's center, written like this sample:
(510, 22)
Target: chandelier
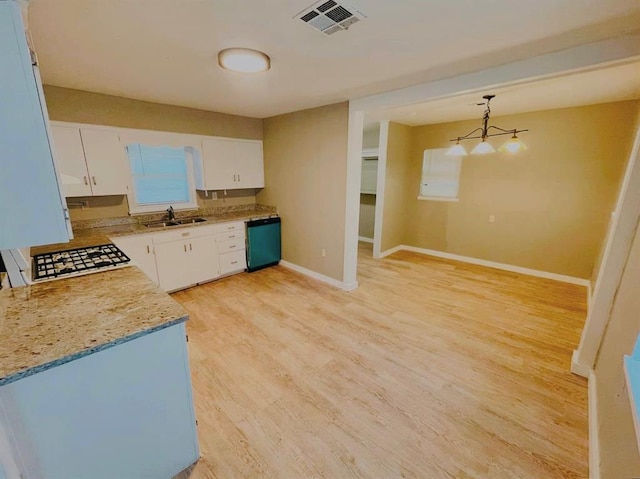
(513, 145)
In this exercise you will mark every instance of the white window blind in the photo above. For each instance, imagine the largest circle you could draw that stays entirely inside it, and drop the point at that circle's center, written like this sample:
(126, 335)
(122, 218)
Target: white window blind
(440, 175)
(160, 176)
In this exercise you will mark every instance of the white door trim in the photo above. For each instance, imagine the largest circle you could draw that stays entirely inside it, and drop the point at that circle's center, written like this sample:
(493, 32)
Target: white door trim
(383, 141)
(616, 251)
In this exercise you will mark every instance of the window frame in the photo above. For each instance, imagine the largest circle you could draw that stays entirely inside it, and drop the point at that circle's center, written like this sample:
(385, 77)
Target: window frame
(137, 209)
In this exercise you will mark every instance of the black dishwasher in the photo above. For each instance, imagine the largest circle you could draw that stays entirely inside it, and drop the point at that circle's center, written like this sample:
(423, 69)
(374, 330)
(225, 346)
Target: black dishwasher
(263, 243)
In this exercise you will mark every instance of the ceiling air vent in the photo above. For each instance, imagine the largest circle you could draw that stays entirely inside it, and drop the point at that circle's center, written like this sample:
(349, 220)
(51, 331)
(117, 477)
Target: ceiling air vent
(329, 17)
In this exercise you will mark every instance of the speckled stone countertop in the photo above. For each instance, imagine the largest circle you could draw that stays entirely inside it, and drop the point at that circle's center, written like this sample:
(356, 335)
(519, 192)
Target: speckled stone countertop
(96, 232)
(48, 324)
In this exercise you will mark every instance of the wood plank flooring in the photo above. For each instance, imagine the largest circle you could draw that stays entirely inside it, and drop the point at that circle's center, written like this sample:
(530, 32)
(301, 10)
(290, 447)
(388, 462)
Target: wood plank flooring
(430, 369)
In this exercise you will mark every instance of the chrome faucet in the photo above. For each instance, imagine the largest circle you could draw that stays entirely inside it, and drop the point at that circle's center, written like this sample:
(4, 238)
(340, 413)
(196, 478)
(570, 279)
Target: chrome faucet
(170, 212)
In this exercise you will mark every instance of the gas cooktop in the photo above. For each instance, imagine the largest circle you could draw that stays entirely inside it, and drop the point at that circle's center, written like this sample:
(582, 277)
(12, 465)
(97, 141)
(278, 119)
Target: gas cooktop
(77, 261)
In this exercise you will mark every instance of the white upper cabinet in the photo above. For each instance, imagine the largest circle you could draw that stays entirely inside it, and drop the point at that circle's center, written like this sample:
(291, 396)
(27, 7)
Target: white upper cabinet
(91, 161)
(230, 163)
(67, 146)
(34, 212)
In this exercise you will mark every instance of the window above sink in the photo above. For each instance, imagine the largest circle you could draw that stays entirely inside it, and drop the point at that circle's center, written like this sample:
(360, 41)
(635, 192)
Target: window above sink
(160, 176)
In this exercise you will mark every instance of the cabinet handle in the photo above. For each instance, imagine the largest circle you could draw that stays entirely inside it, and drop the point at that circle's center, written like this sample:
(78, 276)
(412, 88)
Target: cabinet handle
(190, 247)
(185, 248)
(234, 262)
(148, 250)
(231, 227)
(94, 180)
(238, 177)
(86, 181)
(232, 246)
(232, 236)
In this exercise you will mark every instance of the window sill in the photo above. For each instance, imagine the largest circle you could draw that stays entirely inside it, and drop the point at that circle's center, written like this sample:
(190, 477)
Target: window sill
(438, 198)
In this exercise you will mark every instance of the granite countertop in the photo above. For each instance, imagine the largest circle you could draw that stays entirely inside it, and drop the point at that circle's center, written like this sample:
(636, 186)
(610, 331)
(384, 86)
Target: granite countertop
(96, 232)
(48, 324)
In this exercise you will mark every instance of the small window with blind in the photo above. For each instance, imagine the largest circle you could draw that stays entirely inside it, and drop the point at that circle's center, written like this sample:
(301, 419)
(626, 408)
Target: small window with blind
(440, 176)
(161, 176)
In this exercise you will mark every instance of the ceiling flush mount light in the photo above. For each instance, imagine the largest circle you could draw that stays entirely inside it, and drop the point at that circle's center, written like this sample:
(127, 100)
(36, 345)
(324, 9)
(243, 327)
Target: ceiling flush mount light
(244, 60)
(511, 146)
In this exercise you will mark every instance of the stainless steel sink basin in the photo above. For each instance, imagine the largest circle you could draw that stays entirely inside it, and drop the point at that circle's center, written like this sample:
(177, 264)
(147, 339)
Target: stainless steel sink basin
(188, 221)
(162, 224)
(176, 222)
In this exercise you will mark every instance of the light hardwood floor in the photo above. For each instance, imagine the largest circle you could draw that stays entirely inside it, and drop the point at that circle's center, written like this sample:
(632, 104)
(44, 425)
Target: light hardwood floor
(430, 369)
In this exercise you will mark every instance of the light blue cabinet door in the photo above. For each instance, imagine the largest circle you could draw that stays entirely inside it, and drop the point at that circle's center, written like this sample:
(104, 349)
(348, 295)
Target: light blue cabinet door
(31, 207)
(125, 412)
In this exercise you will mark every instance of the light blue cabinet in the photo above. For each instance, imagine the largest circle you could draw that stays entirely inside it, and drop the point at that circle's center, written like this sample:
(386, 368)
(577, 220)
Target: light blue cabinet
(32, 210)
(124, 412)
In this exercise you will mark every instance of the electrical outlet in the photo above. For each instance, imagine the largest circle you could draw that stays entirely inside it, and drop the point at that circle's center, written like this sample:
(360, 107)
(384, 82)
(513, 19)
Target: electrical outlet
(492, 219)
(324, 253)
(214, 195)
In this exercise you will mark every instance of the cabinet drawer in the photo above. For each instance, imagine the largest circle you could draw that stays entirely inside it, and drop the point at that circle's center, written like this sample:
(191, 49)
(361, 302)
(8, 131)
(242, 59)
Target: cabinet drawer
(229, 235)
(231, 245)
(231, 262)
(234, 226)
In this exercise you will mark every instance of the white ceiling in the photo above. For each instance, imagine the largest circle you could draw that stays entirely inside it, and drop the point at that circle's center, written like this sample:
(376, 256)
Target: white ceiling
(610, 84)
(165, 50)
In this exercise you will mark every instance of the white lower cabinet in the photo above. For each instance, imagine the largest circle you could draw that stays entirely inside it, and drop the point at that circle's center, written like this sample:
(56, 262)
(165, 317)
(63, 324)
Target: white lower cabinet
(233, 262)
(179, 258)
(173, 265)
(140, 249)
(231, 247)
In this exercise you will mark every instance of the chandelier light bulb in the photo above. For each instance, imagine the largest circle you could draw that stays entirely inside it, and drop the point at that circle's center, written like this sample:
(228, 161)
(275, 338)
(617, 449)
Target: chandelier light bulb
(483, 148)
(513, 145)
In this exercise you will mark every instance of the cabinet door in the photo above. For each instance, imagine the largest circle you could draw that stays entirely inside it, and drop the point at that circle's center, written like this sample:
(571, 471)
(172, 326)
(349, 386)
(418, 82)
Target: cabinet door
(29, 181)
(69, 156)
(172, 260)
(249, 164)
(204, 263)
(140, 250)
(106, 162)
(219, 166)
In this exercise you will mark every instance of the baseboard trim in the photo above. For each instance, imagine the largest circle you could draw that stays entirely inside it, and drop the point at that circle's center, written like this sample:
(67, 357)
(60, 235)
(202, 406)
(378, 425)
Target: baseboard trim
(388, 252)
(365, 239)
(594, 443)
(502, 266)
(577, 367)
(320, 277)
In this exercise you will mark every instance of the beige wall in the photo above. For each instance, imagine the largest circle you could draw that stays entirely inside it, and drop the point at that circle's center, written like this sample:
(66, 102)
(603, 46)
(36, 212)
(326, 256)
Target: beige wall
(78, 106)
(367, 215)
(305, 157)
(551, 203)
(617, 441)
(396, 187)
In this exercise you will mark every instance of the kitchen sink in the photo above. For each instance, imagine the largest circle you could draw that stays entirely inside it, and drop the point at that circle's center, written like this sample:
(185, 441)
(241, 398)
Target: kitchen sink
(176, 222)
(188, 221)
(162, 224)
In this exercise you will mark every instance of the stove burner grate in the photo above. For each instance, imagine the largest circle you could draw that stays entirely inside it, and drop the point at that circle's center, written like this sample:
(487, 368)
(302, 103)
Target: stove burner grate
(76, 261)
